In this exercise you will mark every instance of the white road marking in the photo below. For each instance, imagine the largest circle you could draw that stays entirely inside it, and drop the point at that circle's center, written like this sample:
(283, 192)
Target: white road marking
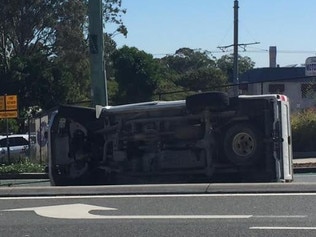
(177, 217)
(82, 211)
(281, 228)
(160, 196)
(284, 216)
(69, 211)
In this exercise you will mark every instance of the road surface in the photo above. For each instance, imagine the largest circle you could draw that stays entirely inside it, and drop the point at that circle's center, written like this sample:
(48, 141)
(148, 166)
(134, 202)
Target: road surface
(273, 214)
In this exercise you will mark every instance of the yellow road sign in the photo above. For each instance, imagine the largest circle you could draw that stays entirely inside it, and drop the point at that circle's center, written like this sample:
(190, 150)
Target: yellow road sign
(11, 102)
(8, 114)
(2, 104)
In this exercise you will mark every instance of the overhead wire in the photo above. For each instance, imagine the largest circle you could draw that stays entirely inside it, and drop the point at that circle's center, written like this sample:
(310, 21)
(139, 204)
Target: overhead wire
(255, 50)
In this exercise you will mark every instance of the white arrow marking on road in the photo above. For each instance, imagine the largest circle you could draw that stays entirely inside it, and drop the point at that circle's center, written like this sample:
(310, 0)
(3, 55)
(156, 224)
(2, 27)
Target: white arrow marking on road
(82, 211)
(70, 211)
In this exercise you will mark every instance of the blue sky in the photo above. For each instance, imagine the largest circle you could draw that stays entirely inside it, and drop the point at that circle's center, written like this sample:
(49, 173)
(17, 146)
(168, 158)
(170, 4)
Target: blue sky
(161, 27)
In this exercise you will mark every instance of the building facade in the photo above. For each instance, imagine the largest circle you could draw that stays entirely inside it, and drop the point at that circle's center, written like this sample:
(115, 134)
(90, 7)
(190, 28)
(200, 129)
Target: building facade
(290, 81)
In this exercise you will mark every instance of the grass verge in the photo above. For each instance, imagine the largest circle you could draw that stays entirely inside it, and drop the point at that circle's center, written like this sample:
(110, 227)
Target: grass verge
(21, 167)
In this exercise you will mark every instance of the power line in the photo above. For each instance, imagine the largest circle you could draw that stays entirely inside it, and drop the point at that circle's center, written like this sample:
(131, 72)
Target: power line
(215, 51)
(243, 46)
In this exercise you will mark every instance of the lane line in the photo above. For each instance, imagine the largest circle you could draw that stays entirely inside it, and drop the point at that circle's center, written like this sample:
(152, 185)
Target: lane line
(109, 196)
(173, 217)
(281, 228)
(284, 216)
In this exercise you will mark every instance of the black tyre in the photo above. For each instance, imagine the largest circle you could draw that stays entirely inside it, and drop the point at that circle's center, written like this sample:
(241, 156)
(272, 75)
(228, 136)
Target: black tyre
(215, 101)
(243, 144)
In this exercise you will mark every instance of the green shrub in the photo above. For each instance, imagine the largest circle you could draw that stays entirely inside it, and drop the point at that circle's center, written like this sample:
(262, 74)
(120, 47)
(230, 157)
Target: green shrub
(303, 126)
(22, 167)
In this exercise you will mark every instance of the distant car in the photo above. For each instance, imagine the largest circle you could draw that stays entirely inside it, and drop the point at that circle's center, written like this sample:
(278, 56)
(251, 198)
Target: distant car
(19, 147)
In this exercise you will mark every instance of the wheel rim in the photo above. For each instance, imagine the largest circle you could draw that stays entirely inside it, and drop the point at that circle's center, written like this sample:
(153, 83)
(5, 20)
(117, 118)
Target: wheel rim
(243, 144)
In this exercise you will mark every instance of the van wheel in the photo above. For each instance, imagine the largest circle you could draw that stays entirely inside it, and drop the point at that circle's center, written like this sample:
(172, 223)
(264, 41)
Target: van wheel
(243, 144)
(212, 100)
(70, 175)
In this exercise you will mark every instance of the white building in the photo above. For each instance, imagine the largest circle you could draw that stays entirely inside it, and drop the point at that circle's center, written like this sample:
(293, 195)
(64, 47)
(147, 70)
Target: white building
(290, 81)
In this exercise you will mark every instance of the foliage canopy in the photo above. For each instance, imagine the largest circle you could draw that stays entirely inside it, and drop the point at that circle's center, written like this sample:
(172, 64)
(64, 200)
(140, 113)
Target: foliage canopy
(44, 58)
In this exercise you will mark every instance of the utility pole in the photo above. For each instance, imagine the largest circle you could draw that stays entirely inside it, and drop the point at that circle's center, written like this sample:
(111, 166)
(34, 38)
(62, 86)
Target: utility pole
(99, 84)
(235, 68)
(235, 45)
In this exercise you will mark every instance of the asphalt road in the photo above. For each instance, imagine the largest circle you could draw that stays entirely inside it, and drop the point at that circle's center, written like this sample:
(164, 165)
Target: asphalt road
(33, 208)
(251, 214)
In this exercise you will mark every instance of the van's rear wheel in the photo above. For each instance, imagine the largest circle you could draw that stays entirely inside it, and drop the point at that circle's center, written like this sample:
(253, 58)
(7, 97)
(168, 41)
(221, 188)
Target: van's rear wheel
(243, 144)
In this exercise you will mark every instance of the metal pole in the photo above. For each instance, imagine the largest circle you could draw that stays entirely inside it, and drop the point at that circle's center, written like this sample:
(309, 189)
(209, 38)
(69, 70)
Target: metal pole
(98, 75)
(7, 128)
(235, 69)
(8, 142)
(29, 135)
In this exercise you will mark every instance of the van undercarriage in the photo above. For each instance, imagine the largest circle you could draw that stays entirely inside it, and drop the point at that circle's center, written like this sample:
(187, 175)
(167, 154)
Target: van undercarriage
(207, 137)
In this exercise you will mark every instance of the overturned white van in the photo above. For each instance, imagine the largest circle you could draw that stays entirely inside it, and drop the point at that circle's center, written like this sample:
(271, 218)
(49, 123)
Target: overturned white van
(208, 136)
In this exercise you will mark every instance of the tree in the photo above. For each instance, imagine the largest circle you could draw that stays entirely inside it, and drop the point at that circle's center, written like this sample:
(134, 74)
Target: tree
(226, 64)
(193, 70)
(186, 59)
(44, 52)
(137, 75)
(10, 126)
(167, 87)
(113, 12)
(203, 79)
(109, 50)
(25, 24)
(27, 32)
(71, 50)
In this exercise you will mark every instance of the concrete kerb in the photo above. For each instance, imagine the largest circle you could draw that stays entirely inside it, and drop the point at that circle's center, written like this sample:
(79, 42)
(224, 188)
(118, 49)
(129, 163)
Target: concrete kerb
(166, 189)
(304, 165)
